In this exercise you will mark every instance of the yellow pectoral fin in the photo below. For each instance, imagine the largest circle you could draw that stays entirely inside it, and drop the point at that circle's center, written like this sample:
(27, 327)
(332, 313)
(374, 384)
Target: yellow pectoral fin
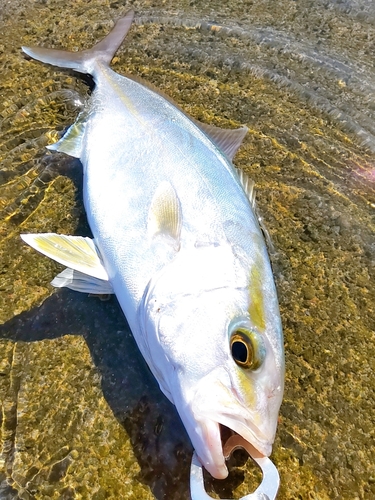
(165, 216)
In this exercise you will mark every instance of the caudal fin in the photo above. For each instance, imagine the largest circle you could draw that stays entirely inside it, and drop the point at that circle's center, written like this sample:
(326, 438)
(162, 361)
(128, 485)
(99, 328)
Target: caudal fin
(84, 61)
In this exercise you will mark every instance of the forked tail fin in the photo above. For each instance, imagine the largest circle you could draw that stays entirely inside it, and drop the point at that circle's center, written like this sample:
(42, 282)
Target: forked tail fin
(84, 61)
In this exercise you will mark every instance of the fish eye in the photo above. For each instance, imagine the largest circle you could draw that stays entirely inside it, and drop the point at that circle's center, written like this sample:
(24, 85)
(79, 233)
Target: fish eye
(247, 349)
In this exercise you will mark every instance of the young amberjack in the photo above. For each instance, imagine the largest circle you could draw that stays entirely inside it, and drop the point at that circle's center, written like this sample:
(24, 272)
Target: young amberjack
(177, 240)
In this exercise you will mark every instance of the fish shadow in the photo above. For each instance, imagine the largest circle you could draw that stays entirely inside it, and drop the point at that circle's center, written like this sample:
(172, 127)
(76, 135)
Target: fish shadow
(158, 438)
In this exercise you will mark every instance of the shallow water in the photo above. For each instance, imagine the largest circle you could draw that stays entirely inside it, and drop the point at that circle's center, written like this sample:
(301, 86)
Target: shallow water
(81, 415)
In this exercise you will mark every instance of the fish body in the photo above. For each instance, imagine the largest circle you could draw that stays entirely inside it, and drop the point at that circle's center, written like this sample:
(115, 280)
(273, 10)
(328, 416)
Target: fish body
(176, 238)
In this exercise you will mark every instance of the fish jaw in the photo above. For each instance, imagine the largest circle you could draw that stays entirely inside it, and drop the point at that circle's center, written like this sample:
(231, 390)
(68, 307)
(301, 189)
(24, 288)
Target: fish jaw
(211, 455)
(216, 403)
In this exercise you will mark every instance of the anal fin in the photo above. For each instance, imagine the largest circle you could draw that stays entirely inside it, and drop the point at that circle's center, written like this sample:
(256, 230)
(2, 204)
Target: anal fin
(71, 142)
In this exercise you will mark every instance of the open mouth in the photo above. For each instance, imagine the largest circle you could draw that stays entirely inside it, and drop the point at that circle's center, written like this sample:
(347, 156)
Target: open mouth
(231, 440)
(216, 449)
(270, 481)
(248, 431)
(218, 416)
(225, 434)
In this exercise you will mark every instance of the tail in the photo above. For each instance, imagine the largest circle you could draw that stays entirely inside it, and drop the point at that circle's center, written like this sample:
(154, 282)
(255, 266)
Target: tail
(84, 61)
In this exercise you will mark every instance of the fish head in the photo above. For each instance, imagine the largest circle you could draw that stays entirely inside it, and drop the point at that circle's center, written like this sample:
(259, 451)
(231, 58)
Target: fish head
(243, 394)
(222, 353)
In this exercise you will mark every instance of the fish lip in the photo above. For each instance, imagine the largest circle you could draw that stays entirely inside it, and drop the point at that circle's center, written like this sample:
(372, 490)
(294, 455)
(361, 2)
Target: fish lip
(215, 431)
(250, 433)
(211, 453)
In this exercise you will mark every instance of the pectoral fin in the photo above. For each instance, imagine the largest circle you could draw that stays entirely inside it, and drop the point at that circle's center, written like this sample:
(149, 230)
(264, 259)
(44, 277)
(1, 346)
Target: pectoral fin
(76, 252)
(80, 282)
(165, 216)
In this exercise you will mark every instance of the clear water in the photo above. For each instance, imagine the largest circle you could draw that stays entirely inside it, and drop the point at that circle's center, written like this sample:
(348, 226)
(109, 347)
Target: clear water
(82, 418)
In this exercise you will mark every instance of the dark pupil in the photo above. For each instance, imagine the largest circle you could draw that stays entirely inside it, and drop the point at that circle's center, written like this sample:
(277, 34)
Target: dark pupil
(239, 352)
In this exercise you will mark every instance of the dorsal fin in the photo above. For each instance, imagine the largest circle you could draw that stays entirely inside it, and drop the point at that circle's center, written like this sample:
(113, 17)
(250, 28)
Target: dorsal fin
(248, 186)
(227, 140)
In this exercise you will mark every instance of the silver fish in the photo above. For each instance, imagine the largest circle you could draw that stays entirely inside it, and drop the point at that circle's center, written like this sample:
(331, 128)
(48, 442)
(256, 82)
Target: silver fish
(177, 240)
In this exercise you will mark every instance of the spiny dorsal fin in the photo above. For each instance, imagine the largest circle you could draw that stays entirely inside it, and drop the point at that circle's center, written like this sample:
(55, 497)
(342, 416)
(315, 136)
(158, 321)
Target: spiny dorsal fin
(76, 252)
(165, 216)
(248, 186)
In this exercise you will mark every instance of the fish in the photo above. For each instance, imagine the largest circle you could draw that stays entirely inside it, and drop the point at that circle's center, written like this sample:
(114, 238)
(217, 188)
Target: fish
(176, 238)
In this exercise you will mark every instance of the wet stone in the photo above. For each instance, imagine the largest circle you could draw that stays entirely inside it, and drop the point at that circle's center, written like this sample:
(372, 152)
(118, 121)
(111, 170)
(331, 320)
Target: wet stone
(308, 292)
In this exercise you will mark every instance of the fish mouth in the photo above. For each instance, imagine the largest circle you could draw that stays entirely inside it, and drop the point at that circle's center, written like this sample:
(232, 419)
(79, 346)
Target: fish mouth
(216, 435)
(248, 431)
(217, 410)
